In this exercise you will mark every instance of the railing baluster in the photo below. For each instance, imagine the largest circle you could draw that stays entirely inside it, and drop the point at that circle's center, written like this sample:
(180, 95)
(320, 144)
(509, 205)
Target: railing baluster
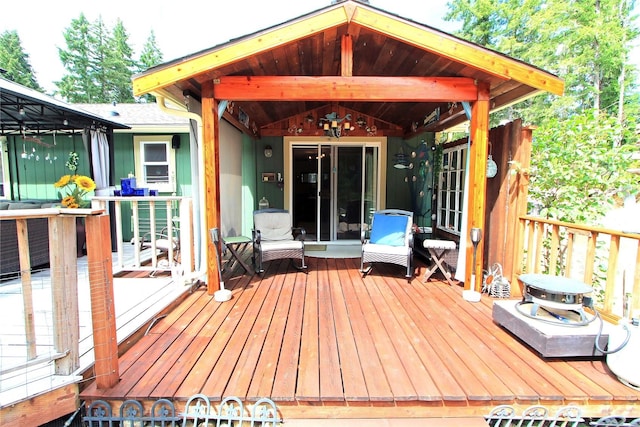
(537, 232)
(555, 248)
(612, 263)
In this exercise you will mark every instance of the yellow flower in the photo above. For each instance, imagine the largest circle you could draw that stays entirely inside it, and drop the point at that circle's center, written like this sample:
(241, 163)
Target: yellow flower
(73, 189)
(85, 183)
(64, 180)
(68, 201)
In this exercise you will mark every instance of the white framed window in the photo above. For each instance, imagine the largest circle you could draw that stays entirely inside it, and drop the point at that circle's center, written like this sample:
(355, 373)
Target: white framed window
(451, 189)
(4, 168)
(155, 163)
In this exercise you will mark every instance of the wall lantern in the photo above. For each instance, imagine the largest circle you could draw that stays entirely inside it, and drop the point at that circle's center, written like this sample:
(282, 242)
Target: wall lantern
(268, 151)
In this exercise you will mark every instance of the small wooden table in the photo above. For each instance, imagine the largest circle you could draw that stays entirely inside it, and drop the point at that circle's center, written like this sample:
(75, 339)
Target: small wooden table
(437, 249)
(235, 244)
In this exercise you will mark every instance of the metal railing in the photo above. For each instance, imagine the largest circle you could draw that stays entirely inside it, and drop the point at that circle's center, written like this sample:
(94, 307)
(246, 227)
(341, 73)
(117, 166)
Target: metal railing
(198, 411)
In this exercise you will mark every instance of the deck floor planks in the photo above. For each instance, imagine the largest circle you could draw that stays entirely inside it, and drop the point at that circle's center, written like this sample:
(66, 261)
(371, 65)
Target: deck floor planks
(570, 383)
(598, 369)
(308, 387)
(378, 387)
(201, 334)
(227, 320)
(466, 345)
(331, 388)
(449, 389)
(134, 363)
(451, 350)
(239, 334)
(391, 314)
(397, 376)
(246, 364)
(262, 382)
(170, 364)
(484, 345)
(353, 382)
(284, 386)
(352, 309)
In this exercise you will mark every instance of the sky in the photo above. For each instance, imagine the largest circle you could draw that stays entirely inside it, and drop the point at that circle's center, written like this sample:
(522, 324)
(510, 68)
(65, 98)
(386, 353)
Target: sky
(181, 27)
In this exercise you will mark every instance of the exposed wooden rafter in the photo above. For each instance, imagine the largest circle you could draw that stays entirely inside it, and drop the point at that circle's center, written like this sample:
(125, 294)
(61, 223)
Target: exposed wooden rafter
(305, 88)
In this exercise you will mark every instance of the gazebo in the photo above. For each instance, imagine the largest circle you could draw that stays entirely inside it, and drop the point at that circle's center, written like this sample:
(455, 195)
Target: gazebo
(403, 76)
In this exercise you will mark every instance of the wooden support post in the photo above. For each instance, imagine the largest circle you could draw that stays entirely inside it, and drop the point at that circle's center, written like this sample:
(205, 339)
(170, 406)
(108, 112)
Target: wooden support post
(211, 148)
(64, 292)
(103, 314)
(27, 290)
(520, 182)
(477, 182)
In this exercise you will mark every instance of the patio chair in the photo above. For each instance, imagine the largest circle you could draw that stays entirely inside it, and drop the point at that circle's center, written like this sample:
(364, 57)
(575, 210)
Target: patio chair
(274, 238)
(162, 243)
(390, 241)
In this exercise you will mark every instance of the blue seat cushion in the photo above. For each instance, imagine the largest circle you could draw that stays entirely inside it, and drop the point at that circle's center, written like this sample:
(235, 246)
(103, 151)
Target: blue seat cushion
(388, 230)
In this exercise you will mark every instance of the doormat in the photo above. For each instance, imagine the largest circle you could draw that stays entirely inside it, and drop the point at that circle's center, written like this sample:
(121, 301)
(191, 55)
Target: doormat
(308, 248)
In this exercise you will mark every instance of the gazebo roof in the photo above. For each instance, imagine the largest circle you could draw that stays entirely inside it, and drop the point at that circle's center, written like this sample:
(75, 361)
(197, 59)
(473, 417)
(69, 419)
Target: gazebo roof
(27, 111)
(351, 41)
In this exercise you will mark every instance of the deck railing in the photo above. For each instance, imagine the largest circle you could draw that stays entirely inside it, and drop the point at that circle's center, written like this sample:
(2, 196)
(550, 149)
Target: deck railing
(64, 285)
(165, 229)
(605, 259)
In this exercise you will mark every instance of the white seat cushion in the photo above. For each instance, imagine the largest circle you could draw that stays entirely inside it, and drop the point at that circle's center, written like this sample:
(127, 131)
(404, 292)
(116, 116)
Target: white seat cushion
(281, 245)
(439, 244)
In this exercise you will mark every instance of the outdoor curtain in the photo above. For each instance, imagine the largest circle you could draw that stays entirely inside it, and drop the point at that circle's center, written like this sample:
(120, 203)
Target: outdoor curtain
(462, 252)
(99, 156)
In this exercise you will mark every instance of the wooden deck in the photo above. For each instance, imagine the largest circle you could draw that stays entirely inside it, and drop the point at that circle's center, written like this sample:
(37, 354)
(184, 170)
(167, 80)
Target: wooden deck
(329, 344)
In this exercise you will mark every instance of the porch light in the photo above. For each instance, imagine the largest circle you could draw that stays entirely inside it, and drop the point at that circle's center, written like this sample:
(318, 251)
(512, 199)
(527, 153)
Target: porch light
(268, 151)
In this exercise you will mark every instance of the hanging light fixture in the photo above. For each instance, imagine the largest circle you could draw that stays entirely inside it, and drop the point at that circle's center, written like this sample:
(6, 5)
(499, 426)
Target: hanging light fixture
(333, 126)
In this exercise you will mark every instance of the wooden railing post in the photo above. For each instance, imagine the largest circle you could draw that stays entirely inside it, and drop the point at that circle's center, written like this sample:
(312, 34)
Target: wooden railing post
(27, 290)
(102, 301)
(64, 292)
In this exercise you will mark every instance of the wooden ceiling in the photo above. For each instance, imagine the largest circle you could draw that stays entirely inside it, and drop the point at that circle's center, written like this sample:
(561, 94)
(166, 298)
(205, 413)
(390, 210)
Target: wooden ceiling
(339, 49)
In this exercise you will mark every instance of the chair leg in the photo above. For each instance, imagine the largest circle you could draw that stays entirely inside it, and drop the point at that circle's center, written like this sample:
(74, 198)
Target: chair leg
(363, 270)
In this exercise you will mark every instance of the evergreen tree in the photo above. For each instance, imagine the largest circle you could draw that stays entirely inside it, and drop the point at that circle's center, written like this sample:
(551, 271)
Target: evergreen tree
(79, 84)
(149, 57)
(98, 61)
(580, 149)
(15, 61)
(120, 65)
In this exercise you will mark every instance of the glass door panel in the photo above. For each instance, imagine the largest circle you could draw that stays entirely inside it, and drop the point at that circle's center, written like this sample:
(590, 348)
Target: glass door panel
(335, 190)
(370, 183)
(305, 189)
(349, 192)
(324, 192)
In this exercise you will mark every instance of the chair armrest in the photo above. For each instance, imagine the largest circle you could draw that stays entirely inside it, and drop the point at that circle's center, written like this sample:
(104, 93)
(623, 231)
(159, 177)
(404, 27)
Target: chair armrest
(299, 233)
(363, 237)
(256, 236)
(410, 240)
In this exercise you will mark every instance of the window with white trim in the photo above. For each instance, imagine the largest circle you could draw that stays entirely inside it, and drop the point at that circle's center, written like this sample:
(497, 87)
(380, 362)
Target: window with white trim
(155, 163)
(451, 189)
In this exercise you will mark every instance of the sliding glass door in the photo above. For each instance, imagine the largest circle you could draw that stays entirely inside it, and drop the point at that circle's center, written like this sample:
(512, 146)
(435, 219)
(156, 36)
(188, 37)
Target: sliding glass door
(335, 189)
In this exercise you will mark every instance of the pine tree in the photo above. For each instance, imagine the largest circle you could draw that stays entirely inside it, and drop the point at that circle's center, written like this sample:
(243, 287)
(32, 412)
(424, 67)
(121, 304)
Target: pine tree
(80, 83)
(15, 61)
(149, 57)
(120, 65)
(99, 63)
